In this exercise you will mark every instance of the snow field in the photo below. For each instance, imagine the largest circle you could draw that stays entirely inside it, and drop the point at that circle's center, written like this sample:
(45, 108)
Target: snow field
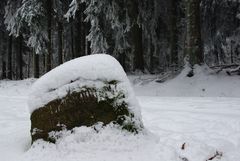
(178, 128)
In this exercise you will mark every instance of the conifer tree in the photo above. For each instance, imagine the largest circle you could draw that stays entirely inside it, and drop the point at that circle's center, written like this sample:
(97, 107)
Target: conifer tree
(194, 43)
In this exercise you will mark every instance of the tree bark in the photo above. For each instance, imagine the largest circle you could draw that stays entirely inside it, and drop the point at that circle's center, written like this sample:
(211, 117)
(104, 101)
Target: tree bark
(138, 50)
(174, 33)
(29, 64)
(122, 60)
(88, 50)
(60, 43)
(194, 43)
(44, 62)
(20, 58)
(136, 36)
(84, 31)
(152, 62)
(72, 39)
(36, 65)
(49, 28)
(4, 75)
(2, 52)
(9, 70)
(79, 34)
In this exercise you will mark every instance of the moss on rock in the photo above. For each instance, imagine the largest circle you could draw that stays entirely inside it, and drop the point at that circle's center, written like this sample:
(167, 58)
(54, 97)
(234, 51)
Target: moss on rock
(85, 106)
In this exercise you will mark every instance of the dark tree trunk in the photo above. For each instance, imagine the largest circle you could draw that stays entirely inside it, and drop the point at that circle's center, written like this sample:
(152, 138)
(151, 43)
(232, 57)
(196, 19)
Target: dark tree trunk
(152, 62)
(44, 62)
(60, 43)
(49, 28)
(138, 50)
(84, 31)
(83, 40)
(4, 75)
(136, 36)
(232, 52)
(29, 64)
(194, 43)
(20, 58)
(36, 65)
(88, 43)
(9, 70)
(122, 60)
(72, 39)
(2, 52)
(88, 48)
(80, 36)
(174, 33)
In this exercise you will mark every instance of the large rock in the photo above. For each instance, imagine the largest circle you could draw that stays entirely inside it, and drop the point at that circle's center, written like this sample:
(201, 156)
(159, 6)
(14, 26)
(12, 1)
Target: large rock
(83, 92)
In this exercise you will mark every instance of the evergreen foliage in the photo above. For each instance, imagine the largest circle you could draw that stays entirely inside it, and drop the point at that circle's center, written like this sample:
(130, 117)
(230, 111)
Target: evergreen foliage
(150, 36)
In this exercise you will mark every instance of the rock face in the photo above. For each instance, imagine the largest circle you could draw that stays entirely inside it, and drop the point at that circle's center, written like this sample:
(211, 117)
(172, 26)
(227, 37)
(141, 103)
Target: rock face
(85, 103)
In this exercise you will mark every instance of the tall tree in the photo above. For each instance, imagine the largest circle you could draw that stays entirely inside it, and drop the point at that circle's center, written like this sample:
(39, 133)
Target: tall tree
(9, 58)
(60, 42)
(174, 32)
(10, 10)
(194, 43)
(136, 35)
(2, 41)
(19, 57)
(49, 6)
(30, 20)
(36, 65)
(60, 29)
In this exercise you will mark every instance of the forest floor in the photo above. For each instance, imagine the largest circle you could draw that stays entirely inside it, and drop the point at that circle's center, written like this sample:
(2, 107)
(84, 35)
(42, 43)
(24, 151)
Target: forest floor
(187, 119)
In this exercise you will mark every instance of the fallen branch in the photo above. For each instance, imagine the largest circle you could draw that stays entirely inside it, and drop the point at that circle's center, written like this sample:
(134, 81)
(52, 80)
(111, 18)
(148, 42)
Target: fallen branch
(234, 71)
(217, 155)
(230, 67)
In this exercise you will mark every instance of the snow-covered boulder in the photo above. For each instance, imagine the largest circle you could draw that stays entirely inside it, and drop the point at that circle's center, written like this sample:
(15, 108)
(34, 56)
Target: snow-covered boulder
(83, 92)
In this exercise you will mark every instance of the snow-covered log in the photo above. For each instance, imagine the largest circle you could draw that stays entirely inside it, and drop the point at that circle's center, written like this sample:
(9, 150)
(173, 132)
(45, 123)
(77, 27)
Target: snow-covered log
(83, 92)
(229, 69)
(234, 71)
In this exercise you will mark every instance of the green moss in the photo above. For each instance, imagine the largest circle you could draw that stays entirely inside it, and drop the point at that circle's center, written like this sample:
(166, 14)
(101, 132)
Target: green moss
(84, 108)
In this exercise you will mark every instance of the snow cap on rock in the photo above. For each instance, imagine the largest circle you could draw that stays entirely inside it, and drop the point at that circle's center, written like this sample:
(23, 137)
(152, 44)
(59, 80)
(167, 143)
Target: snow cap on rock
(84, 71)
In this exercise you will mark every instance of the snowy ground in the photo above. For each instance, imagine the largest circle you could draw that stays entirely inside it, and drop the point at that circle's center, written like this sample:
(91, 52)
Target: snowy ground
(202, 124)
(205, 83)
